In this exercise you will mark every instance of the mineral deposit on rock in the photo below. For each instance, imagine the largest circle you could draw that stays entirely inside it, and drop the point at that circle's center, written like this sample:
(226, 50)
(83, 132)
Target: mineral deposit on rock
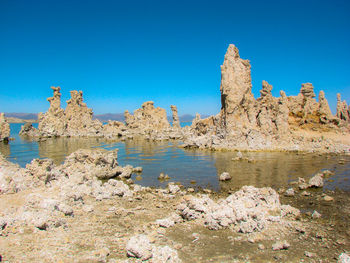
(343, 112)
(147, 118)
(176, 121)
(75, 120)
(4, 128)
(284, 123)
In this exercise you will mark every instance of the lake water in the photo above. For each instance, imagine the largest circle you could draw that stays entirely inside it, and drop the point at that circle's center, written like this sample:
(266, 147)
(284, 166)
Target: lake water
(186, 166)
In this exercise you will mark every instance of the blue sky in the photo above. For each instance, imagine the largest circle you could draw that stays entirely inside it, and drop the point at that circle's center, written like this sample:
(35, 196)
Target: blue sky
(122, 53)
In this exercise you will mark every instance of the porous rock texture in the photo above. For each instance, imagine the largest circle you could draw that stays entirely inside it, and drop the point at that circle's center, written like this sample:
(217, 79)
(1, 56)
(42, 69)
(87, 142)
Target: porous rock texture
(139, 246)
(147, 118)
(28, 130)
(82, 167)
(4, 128)
(152, 123)
(343, 111)
(75, 178)
(247, 210)
(75, 120)
(267, 123)
(78, 117)
(176, 121)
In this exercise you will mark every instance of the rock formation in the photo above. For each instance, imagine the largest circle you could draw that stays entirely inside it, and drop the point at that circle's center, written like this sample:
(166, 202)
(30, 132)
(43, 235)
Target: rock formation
(240, 113)
(78, 117)
(147, 118)
(264, 123)
(343, 112)
(176, 121)
(52, 123)
(237, 100)
(4, 128)
(28, 130)
(324, 110)
(75, 120)
(305, 109)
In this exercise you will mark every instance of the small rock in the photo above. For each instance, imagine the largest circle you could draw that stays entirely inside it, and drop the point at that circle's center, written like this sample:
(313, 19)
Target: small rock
(224, 176)
(88, 208)
(289, 192)
(315, 215)
(303, 186)
(305, 193)
(309, 254)
(161, 176)
(261, 247)
(344, 258)
(166, 222)
(316, 181)
(65, 209)
(178, 246)
(173, 189)
(280, 245)
(328, 198)
(208, 191)
(137, 169)
(165, 254)
(129, 181)
(139, 247)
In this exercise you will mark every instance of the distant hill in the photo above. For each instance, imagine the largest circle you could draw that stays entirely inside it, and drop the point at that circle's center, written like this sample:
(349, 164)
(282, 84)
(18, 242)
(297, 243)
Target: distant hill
(109, 116)
(23, 116)
(18, 117)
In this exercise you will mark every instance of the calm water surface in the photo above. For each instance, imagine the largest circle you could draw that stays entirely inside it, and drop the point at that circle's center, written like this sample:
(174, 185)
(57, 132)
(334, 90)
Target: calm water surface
(185, 166)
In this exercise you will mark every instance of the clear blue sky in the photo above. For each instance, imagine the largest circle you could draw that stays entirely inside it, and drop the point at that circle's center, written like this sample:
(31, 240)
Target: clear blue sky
(122, 53)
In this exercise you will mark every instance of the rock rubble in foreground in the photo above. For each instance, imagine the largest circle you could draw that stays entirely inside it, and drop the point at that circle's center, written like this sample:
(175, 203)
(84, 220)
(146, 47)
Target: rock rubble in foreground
(67, 213)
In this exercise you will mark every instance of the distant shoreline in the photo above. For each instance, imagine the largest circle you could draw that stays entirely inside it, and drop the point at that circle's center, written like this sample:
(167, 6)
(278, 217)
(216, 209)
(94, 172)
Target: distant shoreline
(18, 120)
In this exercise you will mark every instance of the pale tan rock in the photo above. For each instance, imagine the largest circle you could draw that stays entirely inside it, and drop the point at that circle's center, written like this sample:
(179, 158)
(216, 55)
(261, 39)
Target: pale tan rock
(75, 120)
(28, 130)
(343, 111)
(114, 129)
(4, 128)
(52, 122)
(237, 110)
(78, 117)
(324, 110)
(267, 122)
(176, 121)
(282, 115)
(147, 118)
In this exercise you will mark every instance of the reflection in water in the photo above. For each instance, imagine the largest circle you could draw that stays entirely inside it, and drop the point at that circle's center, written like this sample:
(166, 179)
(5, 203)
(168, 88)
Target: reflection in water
(274, 169)
(58, 148)
(5, 149)
(267, 169)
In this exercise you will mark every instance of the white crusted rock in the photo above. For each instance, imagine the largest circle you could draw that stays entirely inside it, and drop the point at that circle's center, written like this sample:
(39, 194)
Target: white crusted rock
(139, 247)
(224, 176)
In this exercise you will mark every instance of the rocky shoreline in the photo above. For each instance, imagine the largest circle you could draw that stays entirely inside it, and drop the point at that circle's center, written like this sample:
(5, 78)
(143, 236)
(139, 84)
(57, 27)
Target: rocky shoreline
(67, 213)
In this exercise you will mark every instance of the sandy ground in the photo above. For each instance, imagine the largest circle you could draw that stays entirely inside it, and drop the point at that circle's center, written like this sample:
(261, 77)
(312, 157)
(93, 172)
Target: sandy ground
(101, 235)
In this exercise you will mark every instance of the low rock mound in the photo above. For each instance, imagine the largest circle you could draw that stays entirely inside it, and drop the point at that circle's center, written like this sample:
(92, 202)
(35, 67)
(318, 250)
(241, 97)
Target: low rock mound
(247, 210)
